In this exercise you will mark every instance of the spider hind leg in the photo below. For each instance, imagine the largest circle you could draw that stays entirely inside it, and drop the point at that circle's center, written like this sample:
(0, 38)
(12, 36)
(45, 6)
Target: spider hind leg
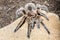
(45, 27)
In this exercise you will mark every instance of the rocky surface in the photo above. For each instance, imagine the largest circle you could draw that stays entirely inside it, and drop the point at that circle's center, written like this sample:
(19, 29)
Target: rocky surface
(7, 33)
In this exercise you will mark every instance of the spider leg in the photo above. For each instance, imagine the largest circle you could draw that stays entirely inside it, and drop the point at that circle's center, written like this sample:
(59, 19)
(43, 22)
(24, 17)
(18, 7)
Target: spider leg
(29, 30)
(38, 24)
(44, 16)
(20, 24)
(33, 23)
(45, 27)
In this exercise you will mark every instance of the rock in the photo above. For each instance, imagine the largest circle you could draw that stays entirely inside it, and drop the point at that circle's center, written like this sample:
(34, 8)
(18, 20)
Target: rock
(7, 33)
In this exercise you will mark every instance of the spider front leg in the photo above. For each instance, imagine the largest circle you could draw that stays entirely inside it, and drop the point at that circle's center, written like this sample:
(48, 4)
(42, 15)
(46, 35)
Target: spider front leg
(20, 24)
(45, 27)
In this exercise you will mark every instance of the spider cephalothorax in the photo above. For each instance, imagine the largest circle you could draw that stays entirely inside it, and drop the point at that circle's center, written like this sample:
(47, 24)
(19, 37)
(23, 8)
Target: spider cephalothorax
(31, 13)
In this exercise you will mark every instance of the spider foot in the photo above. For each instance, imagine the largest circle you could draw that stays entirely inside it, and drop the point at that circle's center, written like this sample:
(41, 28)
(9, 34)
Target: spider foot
(48, 32)
(15, 30)
(28, 36)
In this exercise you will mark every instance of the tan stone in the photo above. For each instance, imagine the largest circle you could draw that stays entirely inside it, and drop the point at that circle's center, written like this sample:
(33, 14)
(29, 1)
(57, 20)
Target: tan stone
(7, 33)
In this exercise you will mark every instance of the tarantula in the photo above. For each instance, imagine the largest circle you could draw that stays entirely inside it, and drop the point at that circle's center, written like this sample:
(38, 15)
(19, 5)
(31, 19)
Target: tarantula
(31, 13)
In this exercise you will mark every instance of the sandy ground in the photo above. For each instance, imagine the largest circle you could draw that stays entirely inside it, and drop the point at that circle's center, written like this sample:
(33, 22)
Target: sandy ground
(7, 33)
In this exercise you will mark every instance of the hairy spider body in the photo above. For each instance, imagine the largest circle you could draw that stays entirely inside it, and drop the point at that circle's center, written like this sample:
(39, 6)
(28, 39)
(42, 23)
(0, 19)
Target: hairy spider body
(32, 15)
